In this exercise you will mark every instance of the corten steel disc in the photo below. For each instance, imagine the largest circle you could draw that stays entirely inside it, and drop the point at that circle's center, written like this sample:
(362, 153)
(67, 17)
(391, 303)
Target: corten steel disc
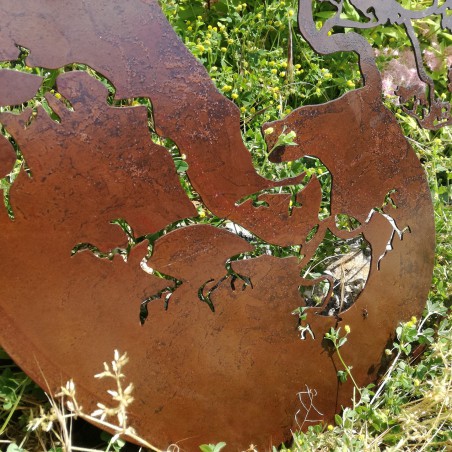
(220, 363)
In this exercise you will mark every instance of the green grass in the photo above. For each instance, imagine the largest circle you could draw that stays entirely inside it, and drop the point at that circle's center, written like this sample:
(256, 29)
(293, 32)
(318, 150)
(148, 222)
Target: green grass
(245, 48)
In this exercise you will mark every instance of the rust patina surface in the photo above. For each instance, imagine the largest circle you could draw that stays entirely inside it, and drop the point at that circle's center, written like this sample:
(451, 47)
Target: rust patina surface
(210, 362)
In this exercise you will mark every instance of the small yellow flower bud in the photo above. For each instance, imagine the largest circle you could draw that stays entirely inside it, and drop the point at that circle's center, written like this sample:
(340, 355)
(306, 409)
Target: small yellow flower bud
(269, 131)
(347, 329)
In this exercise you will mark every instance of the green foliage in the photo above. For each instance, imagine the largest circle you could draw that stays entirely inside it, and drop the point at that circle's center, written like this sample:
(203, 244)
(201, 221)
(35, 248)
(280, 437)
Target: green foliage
(13, 447)
(413, 412)
(335, 337)
(212, 447)
(113, 444)
(20, 399)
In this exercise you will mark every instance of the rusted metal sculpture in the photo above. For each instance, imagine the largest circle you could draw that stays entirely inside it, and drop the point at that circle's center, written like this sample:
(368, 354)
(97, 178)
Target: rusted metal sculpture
(240, 373)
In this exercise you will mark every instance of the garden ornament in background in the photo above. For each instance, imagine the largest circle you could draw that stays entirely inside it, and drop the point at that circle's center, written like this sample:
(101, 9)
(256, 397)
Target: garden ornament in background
(102, 248)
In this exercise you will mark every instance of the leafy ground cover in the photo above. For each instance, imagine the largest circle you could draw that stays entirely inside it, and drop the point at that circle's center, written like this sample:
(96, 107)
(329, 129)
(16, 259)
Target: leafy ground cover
(255, 56)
